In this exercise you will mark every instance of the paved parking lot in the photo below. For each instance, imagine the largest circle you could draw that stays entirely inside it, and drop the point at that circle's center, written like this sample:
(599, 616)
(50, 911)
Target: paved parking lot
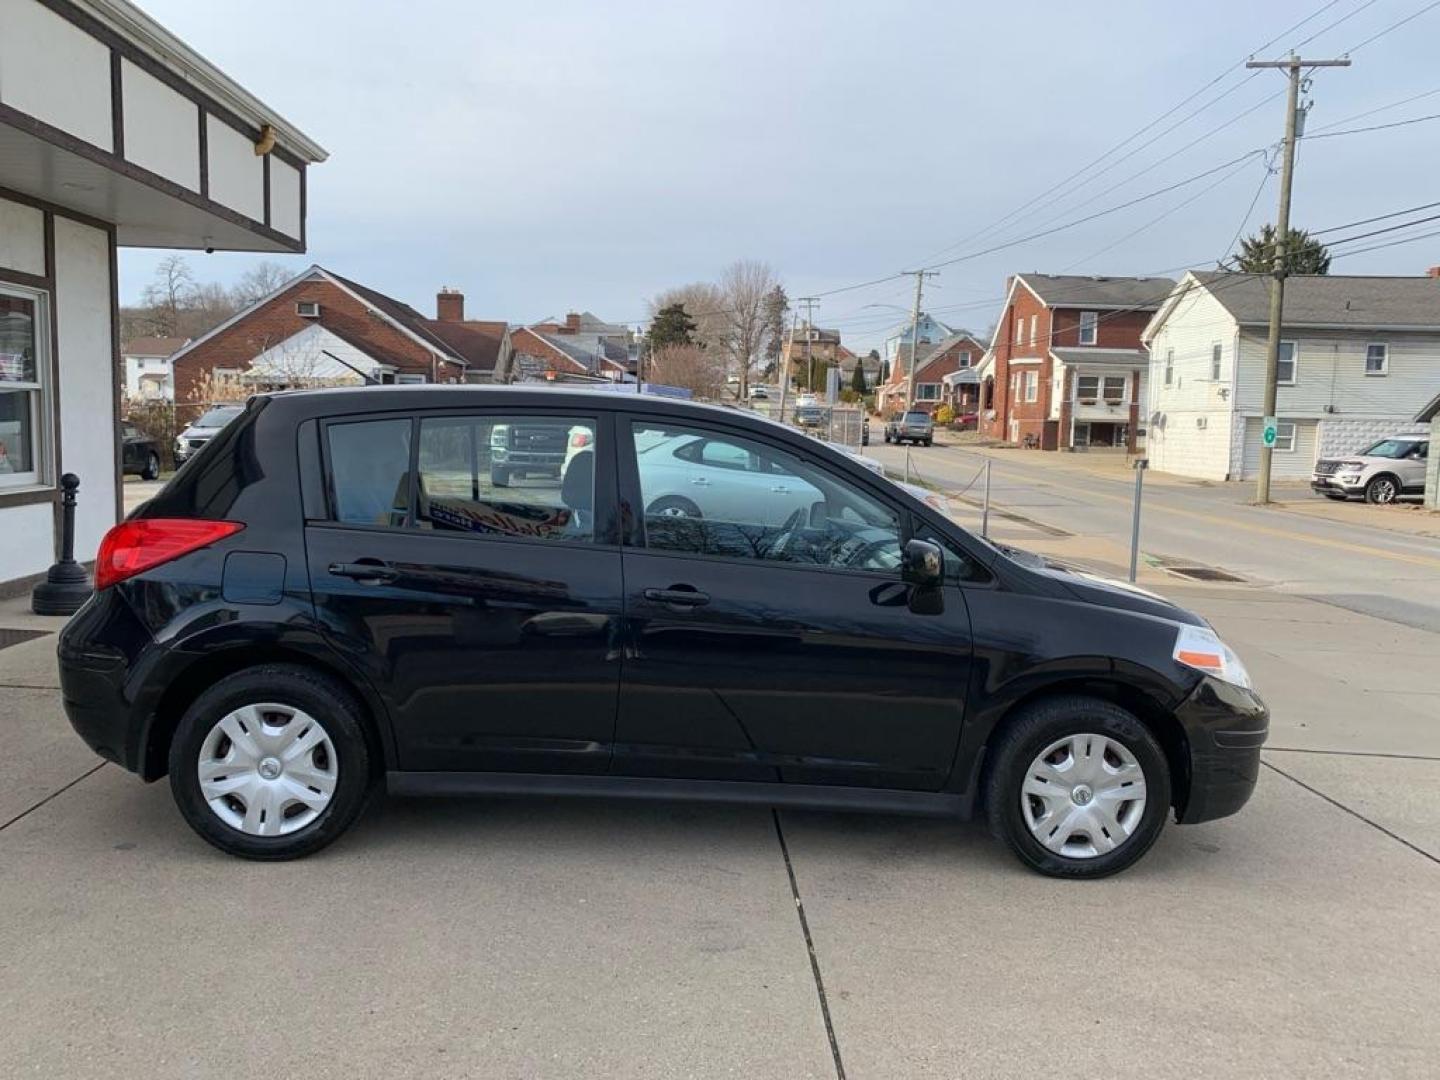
(540, 938)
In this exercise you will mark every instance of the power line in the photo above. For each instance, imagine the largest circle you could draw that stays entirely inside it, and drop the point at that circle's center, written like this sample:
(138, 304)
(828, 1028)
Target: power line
(1331, 26)
(1244, 221)
(1392, 26)
(1388, 244)
(1378, 109)
(1375, 127)
(1377, 217)
(1381, 232)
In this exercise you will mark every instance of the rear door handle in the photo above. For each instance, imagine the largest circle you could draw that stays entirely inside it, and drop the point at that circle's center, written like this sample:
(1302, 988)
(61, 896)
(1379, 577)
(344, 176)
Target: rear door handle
(700, 480)
(678, 597)
(365, 570)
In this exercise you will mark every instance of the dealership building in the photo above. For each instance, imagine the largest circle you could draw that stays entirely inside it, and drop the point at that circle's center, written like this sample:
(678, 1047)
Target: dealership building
(113, 132)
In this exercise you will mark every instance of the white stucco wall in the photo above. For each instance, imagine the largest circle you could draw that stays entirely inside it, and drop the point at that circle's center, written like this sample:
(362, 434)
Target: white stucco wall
(87, 399)
(237, 177)
(284, 197)
(54, 71)
(22, 238)
(27, 543)
(1339, 437)
(162, 128)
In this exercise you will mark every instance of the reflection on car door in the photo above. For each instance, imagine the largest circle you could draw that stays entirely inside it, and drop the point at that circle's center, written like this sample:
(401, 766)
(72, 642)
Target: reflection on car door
(485, 615)
(769, 667)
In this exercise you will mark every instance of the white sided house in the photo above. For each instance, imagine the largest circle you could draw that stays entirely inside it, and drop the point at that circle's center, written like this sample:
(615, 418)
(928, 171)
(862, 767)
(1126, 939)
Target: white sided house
(1359, 357)
(112, 132)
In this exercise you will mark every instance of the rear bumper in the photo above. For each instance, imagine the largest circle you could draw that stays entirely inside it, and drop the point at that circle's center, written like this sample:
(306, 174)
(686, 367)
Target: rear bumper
(1226, 726)
(98, 651)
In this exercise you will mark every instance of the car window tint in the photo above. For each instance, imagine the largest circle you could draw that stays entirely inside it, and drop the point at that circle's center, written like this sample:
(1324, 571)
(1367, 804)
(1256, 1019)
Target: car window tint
(778, 507)
(507, 475)
(369, 461)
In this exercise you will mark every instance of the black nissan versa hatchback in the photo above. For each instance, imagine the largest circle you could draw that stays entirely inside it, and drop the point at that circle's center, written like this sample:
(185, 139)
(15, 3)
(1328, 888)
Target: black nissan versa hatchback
(335, 596)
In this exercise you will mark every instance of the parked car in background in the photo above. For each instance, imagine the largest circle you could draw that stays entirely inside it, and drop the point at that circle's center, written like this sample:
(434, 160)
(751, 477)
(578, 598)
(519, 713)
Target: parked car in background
(318, 608)
(810, 416)
(519, 450)
(210, 423)
(915, 427)
(1390, 469)
(139, 453)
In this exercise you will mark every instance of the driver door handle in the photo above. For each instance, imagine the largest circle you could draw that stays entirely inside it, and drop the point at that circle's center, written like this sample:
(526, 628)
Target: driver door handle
(678, 597)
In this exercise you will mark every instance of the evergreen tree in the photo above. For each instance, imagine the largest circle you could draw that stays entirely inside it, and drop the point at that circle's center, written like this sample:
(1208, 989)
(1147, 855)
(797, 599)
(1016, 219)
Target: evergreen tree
(671, 325)
(1303, 253)
(857, 380)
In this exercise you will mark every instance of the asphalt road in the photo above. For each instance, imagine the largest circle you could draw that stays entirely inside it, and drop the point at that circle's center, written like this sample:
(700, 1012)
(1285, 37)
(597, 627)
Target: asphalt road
(1391, 575)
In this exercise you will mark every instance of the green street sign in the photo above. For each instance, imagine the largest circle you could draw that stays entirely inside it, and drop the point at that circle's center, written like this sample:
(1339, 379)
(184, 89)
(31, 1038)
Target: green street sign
(1267, 435)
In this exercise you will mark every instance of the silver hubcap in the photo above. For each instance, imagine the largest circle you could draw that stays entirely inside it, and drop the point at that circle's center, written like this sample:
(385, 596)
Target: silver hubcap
(267, 769)
(1083, 796)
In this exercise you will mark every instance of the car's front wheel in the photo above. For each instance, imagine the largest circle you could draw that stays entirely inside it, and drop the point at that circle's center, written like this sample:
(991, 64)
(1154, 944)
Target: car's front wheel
(271, 762)
(1077, 787)
(152, 467)
(1382, 490)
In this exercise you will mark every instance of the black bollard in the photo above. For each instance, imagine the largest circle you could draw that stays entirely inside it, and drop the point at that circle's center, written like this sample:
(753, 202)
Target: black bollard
(66, 585)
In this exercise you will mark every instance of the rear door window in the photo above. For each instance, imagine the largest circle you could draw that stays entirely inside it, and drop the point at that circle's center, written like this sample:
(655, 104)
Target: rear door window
(369, 471)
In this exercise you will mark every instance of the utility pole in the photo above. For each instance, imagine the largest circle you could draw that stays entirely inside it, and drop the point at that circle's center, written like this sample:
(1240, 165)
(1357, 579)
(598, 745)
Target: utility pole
(1292, 66)
(809, 302)
(786, 356)
(920, 276)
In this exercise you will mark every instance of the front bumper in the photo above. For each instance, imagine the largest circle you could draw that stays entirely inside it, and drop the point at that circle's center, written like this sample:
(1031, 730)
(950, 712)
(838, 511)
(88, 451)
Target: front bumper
(1331, 484)
(1225, 726)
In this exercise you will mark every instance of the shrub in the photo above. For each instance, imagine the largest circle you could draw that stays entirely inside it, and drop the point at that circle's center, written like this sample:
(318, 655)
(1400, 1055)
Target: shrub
(945, 414)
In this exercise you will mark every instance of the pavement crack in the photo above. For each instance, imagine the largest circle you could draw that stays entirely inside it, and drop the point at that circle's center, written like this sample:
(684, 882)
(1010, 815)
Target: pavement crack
(54, 794)
(809, 948)
(1353, 813)
(1351, 753)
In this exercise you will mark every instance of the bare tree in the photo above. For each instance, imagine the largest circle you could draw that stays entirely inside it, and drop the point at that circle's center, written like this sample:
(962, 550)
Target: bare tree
(692, 367)
(259, 281)
(170, 293)
(747, 287)
(704, 303)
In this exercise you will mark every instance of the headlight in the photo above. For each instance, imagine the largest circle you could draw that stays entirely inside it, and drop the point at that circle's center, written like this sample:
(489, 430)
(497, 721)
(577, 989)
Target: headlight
(1199, 648)
(180, 446)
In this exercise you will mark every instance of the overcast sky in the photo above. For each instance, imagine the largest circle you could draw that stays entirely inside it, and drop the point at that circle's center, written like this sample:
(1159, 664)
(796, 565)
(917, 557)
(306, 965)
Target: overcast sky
(564, 155)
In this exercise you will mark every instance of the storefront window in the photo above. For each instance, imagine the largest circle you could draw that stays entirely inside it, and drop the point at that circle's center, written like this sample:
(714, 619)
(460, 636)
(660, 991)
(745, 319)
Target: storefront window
(21, 388)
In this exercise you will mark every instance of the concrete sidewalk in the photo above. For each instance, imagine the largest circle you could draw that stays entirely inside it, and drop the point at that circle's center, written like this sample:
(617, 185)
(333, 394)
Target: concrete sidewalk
(540, 938)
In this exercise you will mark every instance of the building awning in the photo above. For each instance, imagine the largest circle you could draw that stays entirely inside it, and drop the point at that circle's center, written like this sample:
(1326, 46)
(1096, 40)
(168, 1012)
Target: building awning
(1115, 358)
(963, 377)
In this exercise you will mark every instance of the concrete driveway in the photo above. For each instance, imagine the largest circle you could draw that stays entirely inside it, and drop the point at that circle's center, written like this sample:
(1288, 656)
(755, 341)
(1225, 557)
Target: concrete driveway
(539, 938)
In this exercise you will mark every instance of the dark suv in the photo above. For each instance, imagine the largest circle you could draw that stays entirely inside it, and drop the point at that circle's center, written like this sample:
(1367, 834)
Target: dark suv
(334, 597)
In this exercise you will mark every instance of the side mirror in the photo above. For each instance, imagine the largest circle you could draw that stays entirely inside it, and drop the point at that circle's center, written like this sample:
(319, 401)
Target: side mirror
(922, 564)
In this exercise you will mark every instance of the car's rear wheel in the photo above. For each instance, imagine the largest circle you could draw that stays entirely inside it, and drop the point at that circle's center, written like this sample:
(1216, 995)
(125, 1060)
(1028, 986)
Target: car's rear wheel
(152, 467)
(271, 762)
(1382, 490)
(1077, 787)
(673, 506)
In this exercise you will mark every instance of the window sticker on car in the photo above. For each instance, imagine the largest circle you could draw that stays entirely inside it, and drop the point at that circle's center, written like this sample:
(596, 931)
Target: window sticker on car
(509, 519)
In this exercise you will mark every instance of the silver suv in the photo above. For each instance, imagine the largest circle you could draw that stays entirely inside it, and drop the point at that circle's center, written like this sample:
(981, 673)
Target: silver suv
(1392, 468)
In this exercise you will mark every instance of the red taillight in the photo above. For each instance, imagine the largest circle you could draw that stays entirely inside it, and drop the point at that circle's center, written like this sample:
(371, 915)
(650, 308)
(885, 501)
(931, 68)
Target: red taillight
(132, 547)
(579, 439)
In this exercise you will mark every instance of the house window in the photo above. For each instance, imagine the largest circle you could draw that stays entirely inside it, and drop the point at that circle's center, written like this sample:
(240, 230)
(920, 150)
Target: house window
(1019, 331)
(1169, 367)
(1087, 389)
(1114, 389)
(409, 379)
(1014, 386)
(1089, 327)
(1032, 385)
(1215, 355)
(1285, 436)
(1285, 367)
(24, 391)
(927, 391)
(1034, 322)
(1377, 359)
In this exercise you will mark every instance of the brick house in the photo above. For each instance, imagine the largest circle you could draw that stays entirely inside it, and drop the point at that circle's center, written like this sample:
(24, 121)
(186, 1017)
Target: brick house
(1066, 368)
(955, 353)
(320, 329)
(582, 346)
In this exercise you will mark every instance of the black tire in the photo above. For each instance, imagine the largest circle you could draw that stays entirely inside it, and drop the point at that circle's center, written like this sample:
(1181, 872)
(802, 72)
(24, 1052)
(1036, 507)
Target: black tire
(1028, 733)
(673, 506)
(323, 698)
(1382, 490)
(929, 442)
(152, 467)
(499, 477)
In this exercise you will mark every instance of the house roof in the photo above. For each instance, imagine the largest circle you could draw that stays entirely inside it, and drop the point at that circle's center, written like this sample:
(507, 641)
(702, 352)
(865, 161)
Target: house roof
(1117, 357)
(154, 346)
(1098, 291)
(1331, 301)
(478, 341)
(397, 311)
(590, 323)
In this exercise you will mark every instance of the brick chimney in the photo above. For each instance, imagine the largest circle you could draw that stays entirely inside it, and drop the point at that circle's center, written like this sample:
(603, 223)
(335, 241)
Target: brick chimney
(450, 305)
(1433, 272)
(572, 323)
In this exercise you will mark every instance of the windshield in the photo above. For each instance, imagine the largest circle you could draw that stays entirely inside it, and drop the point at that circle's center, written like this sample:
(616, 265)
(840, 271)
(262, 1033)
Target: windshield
(219, 416)
(1391, 448)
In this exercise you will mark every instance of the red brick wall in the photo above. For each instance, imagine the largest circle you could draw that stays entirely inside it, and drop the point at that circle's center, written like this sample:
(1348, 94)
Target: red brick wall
(1113, 330)
(1030, 415)
(525, 343)
(274, 321)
